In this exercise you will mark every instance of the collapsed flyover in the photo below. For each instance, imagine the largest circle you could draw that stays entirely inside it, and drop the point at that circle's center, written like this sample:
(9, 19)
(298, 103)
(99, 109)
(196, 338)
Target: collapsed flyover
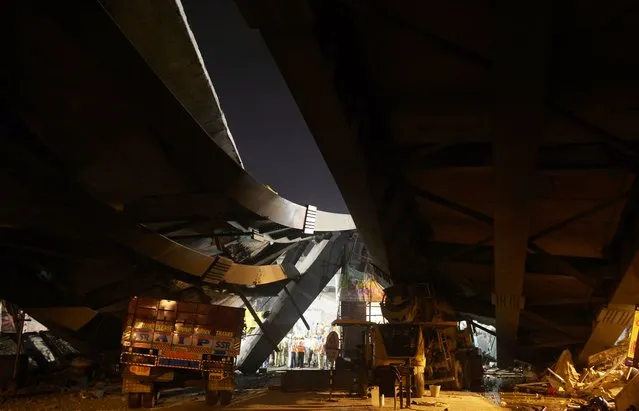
(119, 174)
(492, 150)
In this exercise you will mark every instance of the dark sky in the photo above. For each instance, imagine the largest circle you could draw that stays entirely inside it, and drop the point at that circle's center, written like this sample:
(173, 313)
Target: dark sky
(269, 131)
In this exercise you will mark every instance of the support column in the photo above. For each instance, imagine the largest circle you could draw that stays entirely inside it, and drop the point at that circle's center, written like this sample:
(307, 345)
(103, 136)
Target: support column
(520, 82)
(512, 221)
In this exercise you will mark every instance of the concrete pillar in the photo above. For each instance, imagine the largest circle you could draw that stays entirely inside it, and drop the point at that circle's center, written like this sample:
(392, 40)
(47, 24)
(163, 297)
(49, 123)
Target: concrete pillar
(522, 33)
(507, 309)
(514, 165)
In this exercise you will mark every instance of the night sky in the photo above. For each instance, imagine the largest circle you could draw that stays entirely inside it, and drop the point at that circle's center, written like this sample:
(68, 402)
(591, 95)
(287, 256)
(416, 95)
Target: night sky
(269, 131)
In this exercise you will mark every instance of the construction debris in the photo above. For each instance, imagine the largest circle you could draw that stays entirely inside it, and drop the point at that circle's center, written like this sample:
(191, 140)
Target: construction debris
(606, 358)
(598, 384)
(430, 403)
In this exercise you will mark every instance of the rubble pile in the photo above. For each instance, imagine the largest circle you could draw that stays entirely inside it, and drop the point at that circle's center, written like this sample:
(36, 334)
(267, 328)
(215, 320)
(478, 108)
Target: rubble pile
(603, 378)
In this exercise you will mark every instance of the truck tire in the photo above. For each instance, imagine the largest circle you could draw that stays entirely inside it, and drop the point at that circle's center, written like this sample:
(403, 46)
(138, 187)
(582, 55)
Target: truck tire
(211, 398)
(226, 397)
(148, 399)
(134, 400)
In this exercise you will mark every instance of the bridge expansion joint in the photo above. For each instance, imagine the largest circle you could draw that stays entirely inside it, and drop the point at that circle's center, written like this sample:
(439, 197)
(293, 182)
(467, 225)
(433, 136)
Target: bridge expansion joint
(310, 219)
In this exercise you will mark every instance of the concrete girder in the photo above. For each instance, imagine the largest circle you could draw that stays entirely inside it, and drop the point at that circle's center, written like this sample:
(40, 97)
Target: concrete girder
(531, 245)
(91, 217)
(97, 48)
(520, 86)
(160, 32)
(614, 318)
(270, 254)
(556, 157)
(122, 290)
(287, 29)
(397, 221)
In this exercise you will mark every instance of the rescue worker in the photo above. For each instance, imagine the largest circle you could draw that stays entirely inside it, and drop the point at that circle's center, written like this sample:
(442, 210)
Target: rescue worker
(300, 353)
(309, 351)
(282, 356)
(322, 354)
(293, 353)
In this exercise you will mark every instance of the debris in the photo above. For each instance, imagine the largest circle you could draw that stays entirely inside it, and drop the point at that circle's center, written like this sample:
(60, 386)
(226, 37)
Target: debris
(606, 358)
(566, 370)
(430, 403)
(96, 393)
(556, 381)
(599, 383)
(597, 404)
(532, 387)
(498, 380)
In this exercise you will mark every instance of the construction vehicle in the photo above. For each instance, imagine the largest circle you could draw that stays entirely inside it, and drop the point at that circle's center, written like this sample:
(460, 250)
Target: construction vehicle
(417, 347)
(169, 343)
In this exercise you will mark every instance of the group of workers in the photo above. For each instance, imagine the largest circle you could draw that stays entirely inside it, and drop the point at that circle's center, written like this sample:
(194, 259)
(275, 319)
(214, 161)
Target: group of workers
(307, 352)
(298, 352)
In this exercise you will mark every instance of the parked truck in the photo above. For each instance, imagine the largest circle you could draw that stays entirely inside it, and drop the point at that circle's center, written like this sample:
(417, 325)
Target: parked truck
(169, 343)
(416, 345)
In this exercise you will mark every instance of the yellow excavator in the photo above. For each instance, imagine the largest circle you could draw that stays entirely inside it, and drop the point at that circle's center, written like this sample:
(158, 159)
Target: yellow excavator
(417, 346)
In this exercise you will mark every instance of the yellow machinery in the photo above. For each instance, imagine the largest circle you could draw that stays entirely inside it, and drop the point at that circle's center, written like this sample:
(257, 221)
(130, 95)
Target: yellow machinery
(416, 345)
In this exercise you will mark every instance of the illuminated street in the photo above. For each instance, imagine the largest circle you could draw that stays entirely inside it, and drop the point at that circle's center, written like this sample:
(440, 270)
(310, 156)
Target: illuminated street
(257, 400)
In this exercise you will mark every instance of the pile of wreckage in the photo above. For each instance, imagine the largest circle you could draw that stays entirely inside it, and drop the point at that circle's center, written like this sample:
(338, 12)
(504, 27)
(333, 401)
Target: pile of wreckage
(604, 379)
(35, 360)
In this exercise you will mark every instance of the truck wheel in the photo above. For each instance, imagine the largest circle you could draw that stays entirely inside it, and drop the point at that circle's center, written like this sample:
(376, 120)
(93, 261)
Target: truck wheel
(226, 397)
(134, 400)
(148, 399)
(211, 398)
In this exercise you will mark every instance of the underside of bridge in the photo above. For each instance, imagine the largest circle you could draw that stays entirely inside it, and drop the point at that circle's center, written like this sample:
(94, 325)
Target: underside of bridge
(120, 177)
(487, 147)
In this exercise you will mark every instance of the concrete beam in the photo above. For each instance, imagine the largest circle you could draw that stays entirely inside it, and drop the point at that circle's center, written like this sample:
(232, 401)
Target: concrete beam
(520, 82)
(287, 28)
(614, 319)
(161, 34)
